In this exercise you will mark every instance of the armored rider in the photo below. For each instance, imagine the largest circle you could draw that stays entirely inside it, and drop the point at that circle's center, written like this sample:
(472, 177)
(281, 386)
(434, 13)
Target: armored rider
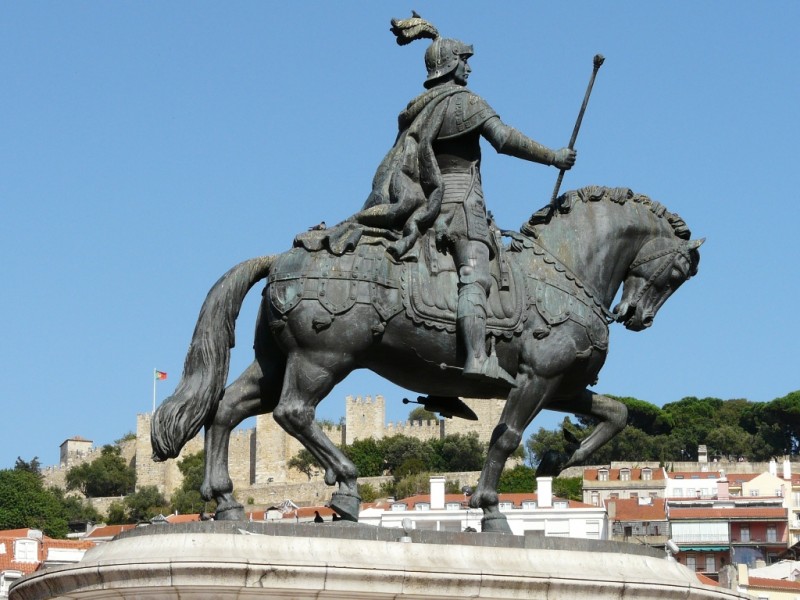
(431, 179)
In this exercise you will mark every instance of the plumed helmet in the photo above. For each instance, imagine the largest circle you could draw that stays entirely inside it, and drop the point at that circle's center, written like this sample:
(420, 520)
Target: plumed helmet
(441, 57)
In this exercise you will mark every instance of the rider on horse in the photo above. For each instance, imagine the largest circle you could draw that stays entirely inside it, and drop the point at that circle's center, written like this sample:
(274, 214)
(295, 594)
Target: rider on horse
(431, 179)
(454, 128)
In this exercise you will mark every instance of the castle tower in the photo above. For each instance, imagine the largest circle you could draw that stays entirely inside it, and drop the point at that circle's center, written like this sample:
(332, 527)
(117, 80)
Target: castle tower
(365, 418)
(73, 449)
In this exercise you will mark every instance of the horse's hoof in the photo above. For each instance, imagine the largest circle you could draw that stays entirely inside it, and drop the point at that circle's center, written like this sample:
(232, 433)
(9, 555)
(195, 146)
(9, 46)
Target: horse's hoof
(233, 512)
(495, 523)
(346, 505)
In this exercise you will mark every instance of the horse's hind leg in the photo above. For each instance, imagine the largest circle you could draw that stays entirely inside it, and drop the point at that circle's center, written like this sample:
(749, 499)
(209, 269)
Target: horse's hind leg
(244, 398)
(309, 378)
(612, 414)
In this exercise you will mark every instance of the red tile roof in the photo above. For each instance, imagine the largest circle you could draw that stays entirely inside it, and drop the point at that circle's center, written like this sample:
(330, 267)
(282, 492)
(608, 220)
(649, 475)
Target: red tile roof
(183, 518)
(108, 531)
(516, 499)
(7, 562)
(782, 584)
(694, 475)
(629, 509)
(740, 512)
(736, 479)
(613, 474)
(706, 580)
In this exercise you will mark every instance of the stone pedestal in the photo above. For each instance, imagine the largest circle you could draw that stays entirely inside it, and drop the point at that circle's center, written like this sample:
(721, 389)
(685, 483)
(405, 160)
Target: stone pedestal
(200, 561)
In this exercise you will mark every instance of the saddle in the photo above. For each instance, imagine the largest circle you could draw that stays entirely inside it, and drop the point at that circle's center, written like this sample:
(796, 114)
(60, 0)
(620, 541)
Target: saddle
(425, 287)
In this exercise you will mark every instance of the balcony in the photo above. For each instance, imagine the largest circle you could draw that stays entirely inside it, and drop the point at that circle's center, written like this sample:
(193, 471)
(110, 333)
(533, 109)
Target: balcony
(794, 524)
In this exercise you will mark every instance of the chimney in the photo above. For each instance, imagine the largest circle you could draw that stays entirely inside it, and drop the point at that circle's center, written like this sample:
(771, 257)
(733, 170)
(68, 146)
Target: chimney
(437, 493)
(702, 453)
(723, 493)
(544, 492)
(787, 469)
(611, 509)
(773, 467)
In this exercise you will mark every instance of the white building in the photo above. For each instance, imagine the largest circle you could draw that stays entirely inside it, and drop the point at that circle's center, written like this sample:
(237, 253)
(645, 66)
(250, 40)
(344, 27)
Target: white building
(541, 511)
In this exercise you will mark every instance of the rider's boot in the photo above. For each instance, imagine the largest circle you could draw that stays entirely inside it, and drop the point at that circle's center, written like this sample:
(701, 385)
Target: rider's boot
(472, 332)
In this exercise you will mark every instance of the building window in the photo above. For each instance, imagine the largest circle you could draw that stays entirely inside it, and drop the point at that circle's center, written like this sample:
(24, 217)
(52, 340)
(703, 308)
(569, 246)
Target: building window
(625, 475)
(795, 498)
(531, 504)
(614, 495)
(397, 506)
(602, 475)
(744, 533)
(422, 506)
(678, 492)
(561, 504)
(691, 562)
(505, 505)
(25, 551)
(595, 499)
(711, 564)
(754, 492)
(453, 506)
(647, 474)
(772, 533)
(690, 493)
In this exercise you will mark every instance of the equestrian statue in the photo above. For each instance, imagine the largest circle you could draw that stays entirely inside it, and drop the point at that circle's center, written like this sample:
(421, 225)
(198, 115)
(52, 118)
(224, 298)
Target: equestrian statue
(421, 287)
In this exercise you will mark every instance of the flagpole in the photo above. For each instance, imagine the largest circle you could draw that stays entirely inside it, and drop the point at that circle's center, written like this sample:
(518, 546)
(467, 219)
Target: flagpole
(155, 379)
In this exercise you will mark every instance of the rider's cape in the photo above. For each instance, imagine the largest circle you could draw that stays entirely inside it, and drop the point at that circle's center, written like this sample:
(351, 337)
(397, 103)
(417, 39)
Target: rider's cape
(407, 188)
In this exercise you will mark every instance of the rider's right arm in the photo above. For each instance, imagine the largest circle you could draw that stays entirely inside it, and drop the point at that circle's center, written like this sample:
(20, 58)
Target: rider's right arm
(507, 140)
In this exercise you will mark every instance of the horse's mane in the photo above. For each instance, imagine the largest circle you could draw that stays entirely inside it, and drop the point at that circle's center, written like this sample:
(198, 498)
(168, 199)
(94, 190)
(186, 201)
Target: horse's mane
(595, 193)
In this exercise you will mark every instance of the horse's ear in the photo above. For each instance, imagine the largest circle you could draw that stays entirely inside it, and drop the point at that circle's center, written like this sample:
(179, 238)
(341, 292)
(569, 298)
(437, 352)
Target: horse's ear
(695, 244)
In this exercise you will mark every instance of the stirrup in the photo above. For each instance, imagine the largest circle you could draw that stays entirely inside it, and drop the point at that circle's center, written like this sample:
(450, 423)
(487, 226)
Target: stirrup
(490, 371)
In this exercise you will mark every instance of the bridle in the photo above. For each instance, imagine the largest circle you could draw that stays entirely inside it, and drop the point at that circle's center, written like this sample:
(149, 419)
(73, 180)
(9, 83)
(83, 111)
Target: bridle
(673, 251)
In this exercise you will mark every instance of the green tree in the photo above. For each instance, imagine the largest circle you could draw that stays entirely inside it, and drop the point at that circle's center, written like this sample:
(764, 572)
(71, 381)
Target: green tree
(729, 441)
(420, 414)
(32, 466)
(518, 479)
(413, 485)
(75, 507)
(457, 452)
(398, 449)
(145, 504)
(107, 475)
(367, 492)
(539, 443)
(187, 499)
(117, 513)
(304, 462)
(24, 502)
(569, 488)
(367, 456)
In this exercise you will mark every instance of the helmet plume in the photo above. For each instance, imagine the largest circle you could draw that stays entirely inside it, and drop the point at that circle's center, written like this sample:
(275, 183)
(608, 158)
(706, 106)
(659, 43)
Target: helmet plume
(413, 28)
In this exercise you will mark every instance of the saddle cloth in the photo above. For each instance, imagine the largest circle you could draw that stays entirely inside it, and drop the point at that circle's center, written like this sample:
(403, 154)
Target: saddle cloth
(430, 292)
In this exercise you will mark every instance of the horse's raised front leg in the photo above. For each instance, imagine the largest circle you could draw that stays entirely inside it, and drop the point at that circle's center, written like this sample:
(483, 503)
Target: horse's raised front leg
(309, 378)
(613, 417)
(523, 404)
(242, 399)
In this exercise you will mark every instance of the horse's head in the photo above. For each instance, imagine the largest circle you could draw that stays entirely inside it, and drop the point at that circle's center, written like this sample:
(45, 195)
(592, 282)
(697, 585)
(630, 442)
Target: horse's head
(660, 268)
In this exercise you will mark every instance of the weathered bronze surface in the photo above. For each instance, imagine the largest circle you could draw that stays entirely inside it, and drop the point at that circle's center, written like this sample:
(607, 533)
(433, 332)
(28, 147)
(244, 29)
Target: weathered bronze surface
(420, 287)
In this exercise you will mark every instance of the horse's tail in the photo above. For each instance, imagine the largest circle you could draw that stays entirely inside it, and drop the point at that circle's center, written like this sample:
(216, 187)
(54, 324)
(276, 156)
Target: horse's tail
(205, 370)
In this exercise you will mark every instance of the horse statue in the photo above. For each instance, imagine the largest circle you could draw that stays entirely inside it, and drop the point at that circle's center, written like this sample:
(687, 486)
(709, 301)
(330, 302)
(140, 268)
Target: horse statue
(324, 315)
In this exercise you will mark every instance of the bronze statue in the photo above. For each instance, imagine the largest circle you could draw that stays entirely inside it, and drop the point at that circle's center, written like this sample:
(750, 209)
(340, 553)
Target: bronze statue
(432, 177)
(378, 292)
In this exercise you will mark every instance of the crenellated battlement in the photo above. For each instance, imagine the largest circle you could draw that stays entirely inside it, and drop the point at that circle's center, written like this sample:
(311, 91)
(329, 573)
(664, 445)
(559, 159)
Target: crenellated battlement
(259, 456)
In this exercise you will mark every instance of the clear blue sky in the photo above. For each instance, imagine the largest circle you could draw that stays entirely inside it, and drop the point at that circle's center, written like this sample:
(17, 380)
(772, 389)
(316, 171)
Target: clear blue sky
(146, 147)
